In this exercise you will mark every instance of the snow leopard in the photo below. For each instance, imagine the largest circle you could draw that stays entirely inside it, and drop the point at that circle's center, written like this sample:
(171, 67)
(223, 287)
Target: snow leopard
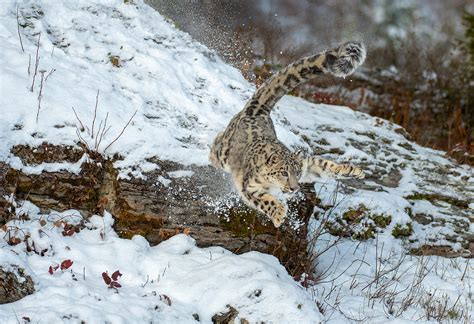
(250, 151)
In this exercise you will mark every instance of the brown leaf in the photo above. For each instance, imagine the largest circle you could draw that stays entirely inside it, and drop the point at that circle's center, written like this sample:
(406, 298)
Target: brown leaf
(43, 223)
(14, 240)
(165, 299)
(69, 232)
(106, 278)
(116, 275)
(115, 284)
(187, 230)
(52, 269)
(66, 264)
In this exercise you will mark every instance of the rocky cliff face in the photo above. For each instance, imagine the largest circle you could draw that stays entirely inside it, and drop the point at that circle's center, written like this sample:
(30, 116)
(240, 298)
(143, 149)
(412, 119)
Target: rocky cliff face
(199, 201)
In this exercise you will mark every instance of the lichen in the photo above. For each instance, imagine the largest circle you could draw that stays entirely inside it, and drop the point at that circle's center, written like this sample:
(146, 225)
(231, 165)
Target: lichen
(402, 230)
(433, 198)
(358, 223)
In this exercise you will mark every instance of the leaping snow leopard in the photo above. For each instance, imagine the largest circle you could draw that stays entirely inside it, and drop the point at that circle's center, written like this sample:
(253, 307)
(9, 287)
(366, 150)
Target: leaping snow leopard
(250, 150)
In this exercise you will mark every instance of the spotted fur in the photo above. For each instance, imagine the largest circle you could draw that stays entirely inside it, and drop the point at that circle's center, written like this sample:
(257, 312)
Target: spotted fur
(250, 150)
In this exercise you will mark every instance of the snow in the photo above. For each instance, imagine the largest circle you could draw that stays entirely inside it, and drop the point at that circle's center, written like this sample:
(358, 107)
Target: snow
(196, 280)
(350, 289)
(183, 94)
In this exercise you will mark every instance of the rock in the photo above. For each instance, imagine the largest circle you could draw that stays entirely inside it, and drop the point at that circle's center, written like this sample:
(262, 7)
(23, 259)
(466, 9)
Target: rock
(196, 200)
(14, 284)
(226, 317)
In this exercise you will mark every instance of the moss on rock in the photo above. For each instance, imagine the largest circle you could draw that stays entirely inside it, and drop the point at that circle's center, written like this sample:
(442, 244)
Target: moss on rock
(402, 230)
(358, 223)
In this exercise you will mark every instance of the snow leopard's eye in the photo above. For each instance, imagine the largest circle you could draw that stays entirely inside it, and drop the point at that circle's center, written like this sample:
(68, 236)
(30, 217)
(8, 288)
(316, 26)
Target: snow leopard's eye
(284, 173)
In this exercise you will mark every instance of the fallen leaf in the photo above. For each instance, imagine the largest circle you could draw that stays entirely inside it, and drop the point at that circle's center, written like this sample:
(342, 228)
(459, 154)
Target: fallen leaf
(106, 278)
(116, 275)
(166, 299)
(115, 284)
(66, 264)
(52, 269)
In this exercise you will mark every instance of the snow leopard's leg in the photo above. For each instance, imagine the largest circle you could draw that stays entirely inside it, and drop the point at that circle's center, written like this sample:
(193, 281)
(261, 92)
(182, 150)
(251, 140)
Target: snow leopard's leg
(257, 196)
(217, 155)
(316, 166)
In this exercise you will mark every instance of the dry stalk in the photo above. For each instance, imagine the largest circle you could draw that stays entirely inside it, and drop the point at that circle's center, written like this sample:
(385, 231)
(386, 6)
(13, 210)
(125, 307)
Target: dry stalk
(123, 129)
(40, 94)
(49, 74)
(95, 112)
(29, 64)
(97, 135)
(18, 28)
(37, 59)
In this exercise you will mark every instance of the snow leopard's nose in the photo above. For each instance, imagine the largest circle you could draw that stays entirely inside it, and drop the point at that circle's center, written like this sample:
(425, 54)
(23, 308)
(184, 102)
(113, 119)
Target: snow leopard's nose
(292, 188)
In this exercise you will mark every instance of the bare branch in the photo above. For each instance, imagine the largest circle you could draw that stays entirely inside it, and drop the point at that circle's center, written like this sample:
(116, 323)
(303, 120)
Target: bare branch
(18, 28)
(40, 95)
(78, 119)
(98, 131)
(81, 139)
(95, 113)
(104, 131)
(29, 64)
(49, 74)
(36, 62)
(121, 131)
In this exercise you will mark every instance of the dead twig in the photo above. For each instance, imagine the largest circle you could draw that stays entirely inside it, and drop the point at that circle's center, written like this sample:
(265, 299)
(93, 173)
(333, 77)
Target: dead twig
(95, 112)
(123, 129)
(97, 136)
(18, 28)
(49, 74)
(37, 59)
(40, 94)
(29, 64)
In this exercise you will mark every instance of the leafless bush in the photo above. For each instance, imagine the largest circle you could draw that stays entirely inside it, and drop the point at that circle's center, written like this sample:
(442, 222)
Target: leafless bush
(96, 136)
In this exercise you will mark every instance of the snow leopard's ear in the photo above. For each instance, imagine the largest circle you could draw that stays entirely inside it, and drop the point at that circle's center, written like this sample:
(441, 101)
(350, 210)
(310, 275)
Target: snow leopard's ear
(297, 155)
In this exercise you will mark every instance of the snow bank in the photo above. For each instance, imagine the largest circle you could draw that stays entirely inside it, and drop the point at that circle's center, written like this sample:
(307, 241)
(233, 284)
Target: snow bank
(172, 282)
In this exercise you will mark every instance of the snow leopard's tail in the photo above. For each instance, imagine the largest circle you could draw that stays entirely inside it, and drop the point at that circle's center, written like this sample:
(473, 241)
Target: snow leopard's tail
(340, 61)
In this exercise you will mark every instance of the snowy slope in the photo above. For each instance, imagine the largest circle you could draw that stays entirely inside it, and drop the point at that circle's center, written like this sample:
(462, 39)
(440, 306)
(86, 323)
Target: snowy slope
(184, 94)
(168, 283)
(173, 82)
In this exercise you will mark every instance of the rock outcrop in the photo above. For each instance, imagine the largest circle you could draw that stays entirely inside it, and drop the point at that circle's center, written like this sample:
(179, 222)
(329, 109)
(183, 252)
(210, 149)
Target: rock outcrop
(199, 201)
(14, 284)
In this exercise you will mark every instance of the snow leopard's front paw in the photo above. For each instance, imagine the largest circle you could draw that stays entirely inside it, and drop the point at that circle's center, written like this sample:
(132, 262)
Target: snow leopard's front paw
(277, 214)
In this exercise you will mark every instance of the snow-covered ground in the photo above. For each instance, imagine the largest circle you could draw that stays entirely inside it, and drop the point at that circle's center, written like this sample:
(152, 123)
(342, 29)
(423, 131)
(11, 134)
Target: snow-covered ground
(168, 283)
(183, 94)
